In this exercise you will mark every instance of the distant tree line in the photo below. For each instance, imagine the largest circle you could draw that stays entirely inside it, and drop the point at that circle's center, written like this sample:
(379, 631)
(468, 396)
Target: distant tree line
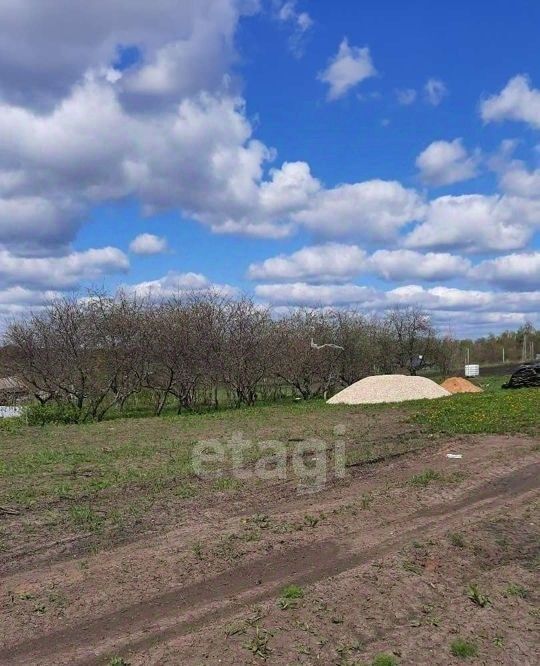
(95, 354)
(508, 346)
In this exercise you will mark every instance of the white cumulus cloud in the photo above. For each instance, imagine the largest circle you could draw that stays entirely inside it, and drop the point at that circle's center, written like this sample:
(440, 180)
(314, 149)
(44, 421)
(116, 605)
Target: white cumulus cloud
(517, 101)
(148, 244)
(450, 298)
(513, 271)
(517, 179)
(183, 46)
(446, 162)
(18, 300)
(313, 295)
(402, 265)
(178, 284)
(289, 189)
(349, 67)
(374, 209)
(476, 223)
(450, 306)
(62, 272)
(330, 262)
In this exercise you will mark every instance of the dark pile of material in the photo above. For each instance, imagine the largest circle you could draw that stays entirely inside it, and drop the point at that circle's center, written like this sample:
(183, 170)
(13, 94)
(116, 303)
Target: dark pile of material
(526, 376)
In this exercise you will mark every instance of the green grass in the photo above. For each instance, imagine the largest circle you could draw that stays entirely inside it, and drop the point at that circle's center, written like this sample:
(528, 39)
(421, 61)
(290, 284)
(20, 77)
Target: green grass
(85, 459)
(79, 463)
(292, 592)
(424, 478)
(494, 411)
(463, 649)
(118, 661)
(457, 539)
(85, 518)
(515, 590)
(290, 597)
(384, 660)
(226, 483)
(95, 476)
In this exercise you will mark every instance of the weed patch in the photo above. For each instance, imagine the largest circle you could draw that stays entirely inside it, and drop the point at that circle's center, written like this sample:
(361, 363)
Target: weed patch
(424, 478)
(514, 590)
(384, 660)
(86, 518)
(225, 484)
(477, 597)
(258, 645)
(292, 592)
(463, 649)
(457, 539)
(489, 412)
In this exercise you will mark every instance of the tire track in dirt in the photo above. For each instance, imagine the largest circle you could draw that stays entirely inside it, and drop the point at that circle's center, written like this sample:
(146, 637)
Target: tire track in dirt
(184, 610)
(62, 550)
(396, 468)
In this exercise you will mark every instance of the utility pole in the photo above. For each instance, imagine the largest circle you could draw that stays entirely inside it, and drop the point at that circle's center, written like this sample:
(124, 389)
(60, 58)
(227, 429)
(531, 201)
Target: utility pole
(503, 354)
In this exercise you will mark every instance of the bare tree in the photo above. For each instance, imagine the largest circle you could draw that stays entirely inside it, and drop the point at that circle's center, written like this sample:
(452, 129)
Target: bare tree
(412, 338)
(95, 353)
(248, 352)
(310, 369)
(80, 351)
(116, 333)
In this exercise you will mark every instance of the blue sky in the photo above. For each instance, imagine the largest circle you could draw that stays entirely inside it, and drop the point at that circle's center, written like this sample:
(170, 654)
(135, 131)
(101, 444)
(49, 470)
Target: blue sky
(351, 154)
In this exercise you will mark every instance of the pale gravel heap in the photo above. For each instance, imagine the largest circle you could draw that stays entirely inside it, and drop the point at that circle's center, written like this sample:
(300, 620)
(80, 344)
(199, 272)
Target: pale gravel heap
(388, 388)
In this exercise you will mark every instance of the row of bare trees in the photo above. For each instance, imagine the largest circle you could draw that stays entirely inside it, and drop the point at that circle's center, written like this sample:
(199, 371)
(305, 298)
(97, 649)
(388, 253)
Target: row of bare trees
(96, 353)
(516, 346)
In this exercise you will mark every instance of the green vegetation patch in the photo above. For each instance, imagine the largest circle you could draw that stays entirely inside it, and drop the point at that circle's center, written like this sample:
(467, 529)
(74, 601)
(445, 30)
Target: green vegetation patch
(292, 592)
(384, 660)
(494, 411)
(463, 649)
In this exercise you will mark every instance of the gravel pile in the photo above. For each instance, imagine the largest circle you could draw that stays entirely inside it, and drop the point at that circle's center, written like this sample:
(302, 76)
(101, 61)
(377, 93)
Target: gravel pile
(388, 388)
(460, 385)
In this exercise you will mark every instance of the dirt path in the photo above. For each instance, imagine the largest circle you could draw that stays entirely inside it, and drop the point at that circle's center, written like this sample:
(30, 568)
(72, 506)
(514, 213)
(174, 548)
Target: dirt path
(154, 600)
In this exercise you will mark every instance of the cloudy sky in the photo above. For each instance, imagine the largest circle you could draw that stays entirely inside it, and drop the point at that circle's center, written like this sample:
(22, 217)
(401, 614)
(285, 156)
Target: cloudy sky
(363, 154)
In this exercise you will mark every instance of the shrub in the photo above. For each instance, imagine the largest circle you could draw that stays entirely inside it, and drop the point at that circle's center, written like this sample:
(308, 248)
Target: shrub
(51, 413)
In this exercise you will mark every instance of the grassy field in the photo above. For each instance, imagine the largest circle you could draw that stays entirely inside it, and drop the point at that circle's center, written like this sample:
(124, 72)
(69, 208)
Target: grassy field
(494, 411)
(114, 518)
(109, 474)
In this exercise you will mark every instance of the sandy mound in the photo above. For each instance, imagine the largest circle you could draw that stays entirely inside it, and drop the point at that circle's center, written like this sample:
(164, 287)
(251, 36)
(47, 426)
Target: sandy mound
(388, 388)
(460, 385)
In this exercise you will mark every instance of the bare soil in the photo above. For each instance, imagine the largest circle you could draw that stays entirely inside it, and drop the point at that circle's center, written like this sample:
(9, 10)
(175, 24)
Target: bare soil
(384, 559)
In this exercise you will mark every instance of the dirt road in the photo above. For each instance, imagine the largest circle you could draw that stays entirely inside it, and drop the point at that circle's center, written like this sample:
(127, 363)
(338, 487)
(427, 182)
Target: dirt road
(382, 561)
